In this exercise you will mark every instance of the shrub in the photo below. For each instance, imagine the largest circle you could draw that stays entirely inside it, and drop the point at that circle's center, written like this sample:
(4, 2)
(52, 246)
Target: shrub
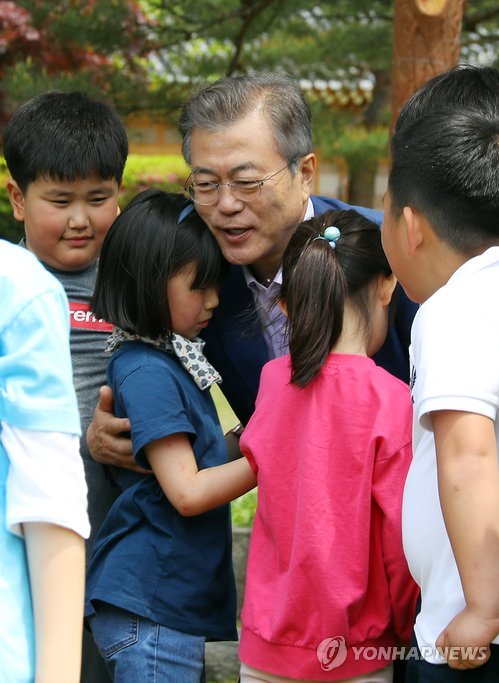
(167, 172)
(243, 509)
(10, 229)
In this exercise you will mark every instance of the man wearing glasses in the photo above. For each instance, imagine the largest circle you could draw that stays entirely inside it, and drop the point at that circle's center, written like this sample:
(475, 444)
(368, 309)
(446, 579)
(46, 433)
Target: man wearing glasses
(248, 142)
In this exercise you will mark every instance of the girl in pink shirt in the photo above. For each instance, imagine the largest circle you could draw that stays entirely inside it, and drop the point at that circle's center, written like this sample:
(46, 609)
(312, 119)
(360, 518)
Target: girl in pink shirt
(328, 592)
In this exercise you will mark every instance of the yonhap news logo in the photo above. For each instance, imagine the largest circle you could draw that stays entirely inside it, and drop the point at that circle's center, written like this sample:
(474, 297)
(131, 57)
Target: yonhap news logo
(332, 653)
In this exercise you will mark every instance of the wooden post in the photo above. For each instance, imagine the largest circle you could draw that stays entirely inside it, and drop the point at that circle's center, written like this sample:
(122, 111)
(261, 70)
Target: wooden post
(426, 42)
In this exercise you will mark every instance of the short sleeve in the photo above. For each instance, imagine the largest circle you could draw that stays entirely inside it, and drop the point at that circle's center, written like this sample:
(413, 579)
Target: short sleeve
(456, 359)
(45, 481)
(156, 406)
(36, 379)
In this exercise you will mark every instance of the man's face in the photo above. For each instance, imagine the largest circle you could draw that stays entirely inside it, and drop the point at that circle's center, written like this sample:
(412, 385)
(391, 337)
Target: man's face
(252, 233)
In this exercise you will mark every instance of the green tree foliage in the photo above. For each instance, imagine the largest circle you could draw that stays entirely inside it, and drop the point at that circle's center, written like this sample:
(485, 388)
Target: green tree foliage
(149, 54)
(71, 44)
(146, 54)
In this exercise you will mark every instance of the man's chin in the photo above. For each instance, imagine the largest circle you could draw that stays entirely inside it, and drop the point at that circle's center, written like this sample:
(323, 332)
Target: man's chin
(238, 255)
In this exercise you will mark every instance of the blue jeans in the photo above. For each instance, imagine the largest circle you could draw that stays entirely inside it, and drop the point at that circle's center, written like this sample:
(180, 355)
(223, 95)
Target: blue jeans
(138, 650)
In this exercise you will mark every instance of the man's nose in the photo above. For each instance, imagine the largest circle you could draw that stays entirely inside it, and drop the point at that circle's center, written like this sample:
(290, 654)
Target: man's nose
(227, 203)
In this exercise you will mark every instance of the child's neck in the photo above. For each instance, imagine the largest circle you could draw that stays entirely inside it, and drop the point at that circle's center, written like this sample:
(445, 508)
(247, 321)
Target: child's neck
(353, 339)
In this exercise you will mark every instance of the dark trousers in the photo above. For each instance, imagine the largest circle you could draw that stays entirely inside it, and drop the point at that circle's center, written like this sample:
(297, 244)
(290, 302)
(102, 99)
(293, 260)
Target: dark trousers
(419, 671)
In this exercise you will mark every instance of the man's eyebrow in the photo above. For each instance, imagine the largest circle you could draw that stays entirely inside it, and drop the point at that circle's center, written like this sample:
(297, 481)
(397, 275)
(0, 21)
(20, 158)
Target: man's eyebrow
(248, 166)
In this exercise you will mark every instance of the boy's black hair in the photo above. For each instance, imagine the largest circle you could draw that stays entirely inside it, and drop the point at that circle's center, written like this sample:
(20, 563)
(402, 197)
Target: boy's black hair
(64, 136)
(464, 86)
(144, 247)
(446, 165)
(317, 280)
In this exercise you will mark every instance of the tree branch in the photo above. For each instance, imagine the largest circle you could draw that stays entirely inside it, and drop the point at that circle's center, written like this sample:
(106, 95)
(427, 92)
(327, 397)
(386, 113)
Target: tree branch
(248, 16)
(471, 21)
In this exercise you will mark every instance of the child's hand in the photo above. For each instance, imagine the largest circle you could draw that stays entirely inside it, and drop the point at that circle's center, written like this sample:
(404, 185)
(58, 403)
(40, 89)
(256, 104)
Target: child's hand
(465, 641)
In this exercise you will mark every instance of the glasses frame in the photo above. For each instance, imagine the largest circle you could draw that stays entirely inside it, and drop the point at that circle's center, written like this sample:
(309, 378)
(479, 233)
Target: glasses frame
(190, 187)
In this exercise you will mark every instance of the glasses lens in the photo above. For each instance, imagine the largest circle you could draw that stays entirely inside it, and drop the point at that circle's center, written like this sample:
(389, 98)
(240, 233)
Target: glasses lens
(204, 193)
(246, 190)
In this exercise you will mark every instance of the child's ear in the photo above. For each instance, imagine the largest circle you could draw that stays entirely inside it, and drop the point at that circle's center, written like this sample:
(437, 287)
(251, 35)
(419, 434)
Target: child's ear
(282, 305)
(16, 197)
(386, 287)
(413, 220)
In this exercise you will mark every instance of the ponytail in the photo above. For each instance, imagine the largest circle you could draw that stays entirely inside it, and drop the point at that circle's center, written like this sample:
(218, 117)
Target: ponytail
(319, 276)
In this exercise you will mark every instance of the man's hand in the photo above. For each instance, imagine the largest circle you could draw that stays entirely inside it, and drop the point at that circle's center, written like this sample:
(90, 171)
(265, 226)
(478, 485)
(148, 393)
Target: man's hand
(465, 641)
(105, 435)
(232, 442)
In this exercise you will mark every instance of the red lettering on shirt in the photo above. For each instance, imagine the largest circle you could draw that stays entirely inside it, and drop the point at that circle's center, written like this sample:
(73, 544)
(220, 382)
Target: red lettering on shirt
(82, 318)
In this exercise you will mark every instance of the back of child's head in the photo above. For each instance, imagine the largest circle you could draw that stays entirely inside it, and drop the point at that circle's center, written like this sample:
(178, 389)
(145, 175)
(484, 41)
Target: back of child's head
(446, 165)
(64, 136)
(319, 277)
(462, 87)
(149, 242)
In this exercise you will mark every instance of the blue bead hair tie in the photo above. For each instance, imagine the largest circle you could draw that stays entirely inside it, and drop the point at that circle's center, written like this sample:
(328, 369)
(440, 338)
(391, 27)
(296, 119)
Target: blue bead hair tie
(331, 235)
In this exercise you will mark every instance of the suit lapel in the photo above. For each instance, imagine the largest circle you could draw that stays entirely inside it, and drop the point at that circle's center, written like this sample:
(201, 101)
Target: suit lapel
(235, 344)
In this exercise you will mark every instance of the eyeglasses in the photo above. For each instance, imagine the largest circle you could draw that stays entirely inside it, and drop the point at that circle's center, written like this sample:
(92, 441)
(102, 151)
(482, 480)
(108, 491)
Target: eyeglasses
(207, 192)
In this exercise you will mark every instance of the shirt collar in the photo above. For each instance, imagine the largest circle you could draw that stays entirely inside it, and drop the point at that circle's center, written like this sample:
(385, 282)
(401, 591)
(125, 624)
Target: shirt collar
(251, 280)
(188, 351)
(309, 213)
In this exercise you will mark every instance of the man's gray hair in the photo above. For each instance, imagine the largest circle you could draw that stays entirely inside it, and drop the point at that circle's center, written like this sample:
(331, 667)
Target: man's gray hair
(229, 99)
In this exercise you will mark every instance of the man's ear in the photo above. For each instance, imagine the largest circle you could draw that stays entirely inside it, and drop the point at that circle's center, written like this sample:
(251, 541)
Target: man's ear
(16, 197)
(282, 305)
(307, 166)
(413, 220)
(386, 287)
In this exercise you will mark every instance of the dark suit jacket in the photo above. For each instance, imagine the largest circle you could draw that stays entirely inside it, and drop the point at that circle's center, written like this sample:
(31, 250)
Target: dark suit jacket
(234, 340)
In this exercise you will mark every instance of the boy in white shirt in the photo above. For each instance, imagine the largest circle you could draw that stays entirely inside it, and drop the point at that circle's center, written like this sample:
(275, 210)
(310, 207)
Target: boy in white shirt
(43, 501)
(441, 236)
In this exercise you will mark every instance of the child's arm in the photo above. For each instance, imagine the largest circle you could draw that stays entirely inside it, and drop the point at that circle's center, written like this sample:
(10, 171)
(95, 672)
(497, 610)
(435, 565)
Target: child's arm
(192, 491)
(468, 482)
(46, 499)
(56, 560)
